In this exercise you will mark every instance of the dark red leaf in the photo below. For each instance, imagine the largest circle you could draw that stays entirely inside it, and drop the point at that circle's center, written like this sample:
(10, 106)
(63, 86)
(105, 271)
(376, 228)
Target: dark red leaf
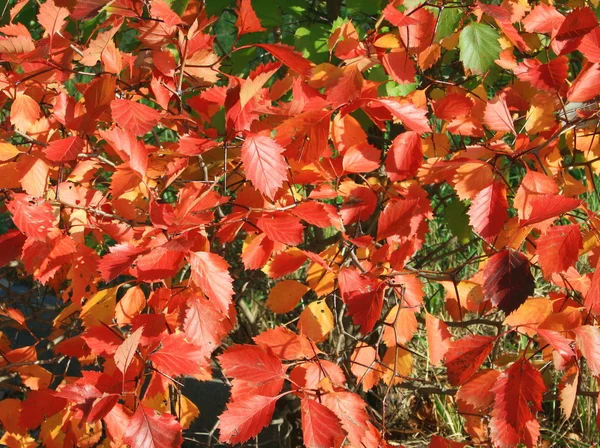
(508, 280)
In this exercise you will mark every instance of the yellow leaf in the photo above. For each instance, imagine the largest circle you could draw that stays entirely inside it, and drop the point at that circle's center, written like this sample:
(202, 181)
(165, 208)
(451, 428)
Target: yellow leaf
(398, 364)
(130, 305)
(51, 431)
(436, 145)
(8, 151)
(450, 42)
(402, 325)
(540, 116)
(159, 402)
(100, 308)
(324, 75)
(35, 377)
(316, 321)
(65, 314)
(320, 279)
(10, 409)
(571, 186)
(388, 41)
(285, 295)
(532, 313)
(186, 411)
(12, 440)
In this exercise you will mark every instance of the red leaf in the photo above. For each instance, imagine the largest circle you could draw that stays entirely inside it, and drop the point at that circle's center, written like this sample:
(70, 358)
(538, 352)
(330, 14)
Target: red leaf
(585, 86)
(438, 339)
(64, 150)
(477, 391)
(12, 244)
(264, 164)
(126, 351)
(347, 88)
(365, 308)
(120, 258)
(519, 392)
(178, 357)
(452, 106)
(543, 19)
(558, 248)
(592, 299)
(320, 426)
(533, 185)
(102, 340)
(282, 227)
(147, 429)
(40, 405)
(314, 213)
(210, 273)
(497, 117)
(247, 21)
(102, 406)
(588, 341)
(590, 46)
(488, 211)
(158, 264)
(578, 23)
(550, 77)
(549, 206)
(134, 117)
(245, 417)
(360, 205)
(440, 442)
(396, 18)
(396, 218)
(85, 9)
(82, 394)
(52, 17)
(364, 366)
(24, 112)
(286, 344)
(289, 57)
(257, 253)
(411, 116)
(253, 364)
(466, 355)
(399, 66)
(204, 324)
(350, 409)
(361, 158)
(558, 342)
(508, 280)
(404, 157)
(419, 35)
(161, 10)
(32, 216)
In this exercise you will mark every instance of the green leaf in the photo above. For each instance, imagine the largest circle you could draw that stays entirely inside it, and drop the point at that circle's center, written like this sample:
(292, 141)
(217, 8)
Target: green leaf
(479, 47)
(268, 12)
(365, 6)
(179, 6)
(447, 23)
(312, 41)
(457, 220)
(216, 7)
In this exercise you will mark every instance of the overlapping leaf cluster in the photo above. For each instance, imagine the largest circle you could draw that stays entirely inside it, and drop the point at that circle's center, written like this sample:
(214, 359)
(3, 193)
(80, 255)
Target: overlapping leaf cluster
(410, 177)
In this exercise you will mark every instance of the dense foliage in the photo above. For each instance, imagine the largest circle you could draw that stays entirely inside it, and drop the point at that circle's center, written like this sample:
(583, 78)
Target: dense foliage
(377, 222)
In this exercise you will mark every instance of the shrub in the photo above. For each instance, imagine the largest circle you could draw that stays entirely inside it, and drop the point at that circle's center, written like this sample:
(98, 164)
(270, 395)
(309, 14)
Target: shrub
(377, 220)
